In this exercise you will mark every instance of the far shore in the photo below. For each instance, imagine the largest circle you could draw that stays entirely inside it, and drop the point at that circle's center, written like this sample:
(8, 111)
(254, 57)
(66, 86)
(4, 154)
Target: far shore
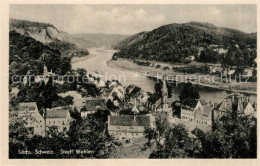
(125, 64)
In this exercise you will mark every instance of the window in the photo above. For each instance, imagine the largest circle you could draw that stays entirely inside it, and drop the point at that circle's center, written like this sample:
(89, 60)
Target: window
(41, 126)
(53, 122)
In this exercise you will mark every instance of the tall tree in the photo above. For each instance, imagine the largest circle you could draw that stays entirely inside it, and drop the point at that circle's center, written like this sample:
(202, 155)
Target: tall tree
(189, 91)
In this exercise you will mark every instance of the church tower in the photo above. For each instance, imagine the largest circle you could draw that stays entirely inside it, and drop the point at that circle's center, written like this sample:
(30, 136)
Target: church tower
(164, 95)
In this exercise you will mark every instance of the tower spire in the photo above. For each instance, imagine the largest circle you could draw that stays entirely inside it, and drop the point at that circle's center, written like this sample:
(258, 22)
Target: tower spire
(164, 95)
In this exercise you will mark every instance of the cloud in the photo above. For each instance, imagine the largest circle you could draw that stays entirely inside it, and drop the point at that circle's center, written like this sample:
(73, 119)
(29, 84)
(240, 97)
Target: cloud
(115, 20)
(130, 19)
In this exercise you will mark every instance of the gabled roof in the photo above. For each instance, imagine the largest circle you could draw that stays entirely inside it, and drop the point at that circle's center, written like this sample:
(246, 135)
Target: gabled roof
(56, 113)
(94, 105)
(27, 106)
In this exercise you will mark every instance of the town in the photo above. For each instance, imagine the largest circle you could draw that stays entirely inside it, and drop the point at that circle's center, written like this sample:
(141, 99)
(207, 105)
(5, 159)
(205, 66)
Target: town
(132, 81)
(126, 111)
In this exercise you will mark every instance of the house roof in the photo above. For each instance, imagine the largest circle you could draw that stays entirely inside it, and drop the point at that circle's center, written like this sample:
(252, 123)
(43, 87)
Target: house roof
(228, 105)
(56, 113)
(27, 106)
(128, 120)
(207, 110)
(94, 105)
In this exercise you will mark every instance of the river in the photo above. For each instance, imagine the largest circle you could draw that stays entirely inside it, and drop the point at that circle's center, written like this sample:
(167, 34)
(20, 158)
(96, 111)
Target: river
(96, 63)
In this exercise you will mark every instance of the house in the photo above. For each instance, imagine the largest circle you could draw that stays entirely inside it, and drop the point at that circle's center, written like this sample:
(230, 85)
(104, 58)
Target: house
(193, 111)
(234, 103)
(59, 118)
(117, 91)
(129, 126)
(14, 92)
(40, 78)
(154, 101)
(92, 106)
(247, 73)
(33, 120)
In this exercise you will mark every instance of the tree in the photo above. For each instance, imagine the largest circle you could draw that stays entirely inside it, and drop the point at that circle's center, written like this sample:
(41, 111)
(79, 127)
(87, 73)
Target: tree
(155, 135)
(177, 144)
(230, 138)
(50, 93)
(65, 65)
(18, 134)
(189, 91)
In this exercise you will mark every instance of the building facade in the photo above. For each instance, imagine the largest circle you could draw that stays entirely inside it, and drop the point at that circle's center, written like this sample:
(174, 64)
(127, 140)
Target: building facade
(234, 103)
(58, 118)
(193, 111)
(33, 120)
(129, 126)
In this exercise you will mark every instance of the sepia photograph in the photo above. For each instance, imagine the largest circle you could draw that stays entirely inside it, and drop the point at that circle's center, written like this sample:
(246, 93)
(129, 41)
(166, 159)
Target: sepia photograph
(132, 81)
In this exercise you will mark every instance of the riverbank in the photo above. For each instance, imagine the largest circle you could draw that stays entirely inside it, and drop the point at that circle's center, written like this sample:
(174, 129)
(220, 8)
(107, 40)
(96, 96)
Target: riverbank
(209, 81)
(82, 58)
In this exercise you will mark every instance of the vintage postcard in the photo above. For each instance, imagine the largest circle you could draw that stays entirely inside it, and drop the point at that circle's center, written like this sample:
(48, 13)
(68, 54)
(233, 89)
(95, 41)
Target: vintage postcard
(131, 81)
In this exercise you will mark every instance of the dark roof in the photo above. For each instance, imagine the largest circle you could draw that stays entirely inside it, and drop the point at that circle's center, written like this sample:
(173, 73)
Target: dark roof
(133, 90)
(57, 113)
(128, 120)
(94, 105)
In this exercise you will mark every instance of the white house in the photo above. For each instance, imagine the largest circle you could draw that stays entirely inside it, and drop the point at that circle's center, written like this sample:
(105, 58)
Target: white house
(59, 118)
(32, 118)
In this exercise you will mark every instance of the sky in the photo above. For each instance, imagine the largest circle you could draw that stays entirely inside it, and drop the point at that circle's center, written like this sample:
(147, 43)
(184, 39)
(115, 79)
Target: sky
(131, 19)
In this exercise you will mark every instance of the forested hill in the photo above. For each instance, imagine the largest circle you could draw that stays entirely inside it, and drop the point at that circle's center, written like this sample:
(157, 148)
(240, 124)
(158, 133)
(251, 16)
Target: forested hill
(26, 53)
(48, 35)
(175, 42)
